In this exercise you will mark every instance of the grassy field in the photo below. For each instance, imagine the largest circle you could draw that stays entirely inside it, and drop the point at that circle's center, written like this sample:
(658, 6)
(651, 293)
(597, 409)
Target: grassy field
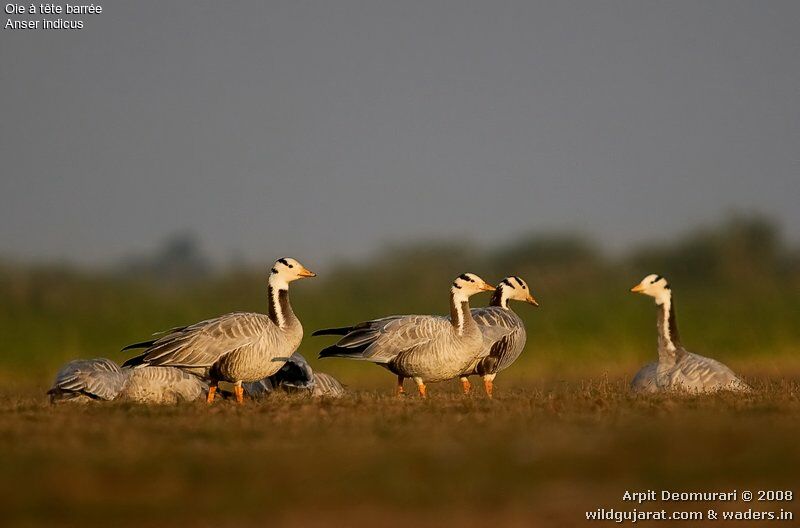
(562, 437)
(539, 454)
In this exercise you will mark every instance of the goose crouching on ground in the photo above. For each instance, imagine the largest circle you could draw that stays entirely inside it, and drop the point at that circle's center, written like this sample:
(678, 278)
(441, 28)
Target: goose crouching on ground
(644, 382)
(297, 376)
(101, 379)
(677, 368)
(426, 348)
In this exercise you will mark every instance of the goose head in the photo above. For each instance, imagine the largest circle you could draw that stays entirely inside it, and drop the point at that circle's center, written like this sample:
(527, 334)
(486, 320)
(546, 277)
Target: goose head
(286, 270)
(469, 284)
(514, 288)
(655, 286)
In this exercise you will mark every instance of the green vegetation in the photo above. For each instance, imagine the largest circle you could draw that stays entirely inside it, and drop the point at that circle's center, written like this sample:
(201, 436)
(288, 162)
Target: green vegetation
(563, 435)
(737, 290)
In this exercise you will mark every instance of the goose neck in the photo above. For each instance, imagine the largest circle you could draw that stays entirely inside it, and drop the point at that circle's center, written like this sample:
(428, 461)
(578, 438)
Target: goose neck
(499, 298)
(669, 342)
(460, 314)
(280, 310)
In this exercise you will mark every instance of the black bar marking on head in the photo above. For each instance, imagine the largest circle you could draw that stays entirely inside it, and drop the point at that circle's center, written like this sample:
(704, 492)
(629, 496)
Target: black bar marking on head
(284, 262)
(507, 283)
(466, 278)
(455, 285)
(521, 284)
(273, 270)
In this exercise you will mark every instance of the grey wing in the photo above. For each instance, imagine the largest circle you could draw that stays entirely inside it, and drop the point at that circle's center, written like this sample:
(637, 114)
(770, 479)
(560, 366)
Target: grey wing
(503, 332)
(200, 345)
(703, 374)
(645, 380)
(99, 379)
(327, 386)
(491, 336)
(381, 340)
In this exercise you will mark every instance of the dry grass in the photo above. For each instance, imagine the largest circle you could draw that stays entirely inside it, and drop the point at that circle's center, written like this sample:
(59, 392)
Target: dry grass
(538, 454)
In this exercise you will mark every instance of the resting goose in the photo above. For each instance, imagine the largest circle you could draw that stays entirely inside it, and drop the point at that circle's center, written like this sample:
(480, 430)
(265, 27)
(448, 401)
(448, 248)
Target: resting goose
(677, 368)
(296, 375)
(505, 350)
(426, 348)
(326, 386)
(87, 379)
(645, 380)
(101, 379)
(236, 347)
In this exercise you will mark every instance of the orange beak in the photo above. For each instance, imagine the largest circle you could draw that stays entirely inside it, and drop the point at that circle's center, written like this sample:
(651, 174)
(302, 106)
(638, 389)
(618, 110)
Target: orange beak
(531, 300)
(306, 273)
(637, 289)
(486, 287)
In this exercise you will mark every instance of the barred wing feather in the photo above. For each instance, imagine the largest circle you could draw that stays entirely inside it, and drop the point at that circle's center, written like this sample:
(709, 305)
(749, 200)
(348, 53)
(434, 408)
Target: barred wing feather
(699, 373)
(382, 340)
(202, 344)
(503, 332)
(97, 378)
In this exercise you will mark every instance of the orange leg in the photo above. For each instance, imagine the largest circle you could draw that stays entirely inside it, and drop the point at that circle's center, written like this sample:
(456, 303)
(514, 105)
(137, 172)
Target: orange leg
(238, 391)
(488, 385)
(466, 385)
(212, 390)
(400, 390)
(423, 393)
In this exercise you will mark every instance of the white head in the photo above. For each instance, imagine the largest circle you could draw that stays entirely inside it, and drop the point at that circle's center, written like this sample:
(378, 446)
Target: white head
(514, 288)
(655, 286)
(286, 270)
(467, 285)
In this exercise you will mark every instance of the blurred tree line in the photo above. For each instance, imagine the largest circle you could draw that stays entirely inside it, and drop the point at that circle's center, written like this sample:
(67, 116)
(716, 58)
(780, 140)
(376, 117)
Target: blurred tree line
(737, 286)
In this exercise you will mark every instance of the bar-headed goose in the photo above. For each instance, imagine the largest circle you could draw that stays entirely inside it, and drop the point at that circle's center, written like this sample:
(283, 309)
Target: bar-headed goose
(503, 351)
(162, 385)
(297, 376)
(326, 386)
(426, 348)
(84, 380)
(677, 368)
(236, 347)
(101, 379)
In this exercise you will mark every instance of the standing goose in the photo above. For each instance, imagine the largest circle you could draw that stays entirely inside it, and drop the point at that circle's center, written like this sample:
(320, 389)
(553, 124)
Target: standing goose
(101, 379)
(677, 368)
(426, 348)
(503, 351)
(236, 347)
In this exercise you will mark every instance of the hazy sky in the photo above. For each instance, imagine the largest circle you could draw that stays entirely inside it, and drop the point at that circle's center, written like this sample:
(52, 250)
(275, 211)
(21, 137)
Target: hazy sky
(323, 129)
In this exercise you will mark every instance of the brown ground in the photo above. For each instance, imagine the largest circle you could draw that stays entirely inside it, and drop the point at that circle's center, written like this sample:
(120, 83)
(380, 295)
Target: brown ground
(535, 456)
